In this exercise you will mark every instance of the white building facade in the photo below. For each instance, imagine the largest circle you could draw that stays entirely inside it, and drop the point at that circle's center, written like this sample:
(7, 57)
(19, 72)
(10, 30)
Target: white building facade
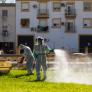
(63, 23)
(7, 27)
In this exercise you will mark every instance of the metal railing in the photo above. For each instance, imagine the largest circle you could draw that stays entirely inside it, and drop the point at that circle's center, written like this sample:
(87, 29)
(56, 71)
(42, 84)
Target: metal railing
(42, 28)
(70, 12)
(42, 11)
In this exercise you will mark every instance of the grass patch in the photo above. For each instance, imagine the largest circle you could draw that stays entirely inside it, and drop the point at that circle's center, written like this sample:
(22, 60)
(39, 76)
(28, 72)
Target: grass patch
(17, 81)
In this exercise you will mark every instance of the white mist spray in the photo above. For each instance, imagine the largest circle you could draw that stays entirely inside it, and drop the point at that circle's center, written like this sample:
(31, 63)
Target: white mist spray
(70, 72)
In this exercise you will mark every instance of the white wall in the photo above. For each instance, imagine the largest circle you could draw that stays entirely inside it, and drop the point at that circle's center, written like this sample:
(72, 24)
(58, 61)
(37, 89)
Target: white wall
(10, 23)
(58, 38)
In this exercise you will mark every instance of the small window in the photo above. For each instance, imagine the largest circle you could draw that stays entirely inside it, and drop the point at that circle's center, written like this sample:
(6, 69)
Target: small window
(56, 6)
(25, 23)
(4, 13)
(5, 33)
(87, 6)
(25, 6)
(87, 22)
(56, 22)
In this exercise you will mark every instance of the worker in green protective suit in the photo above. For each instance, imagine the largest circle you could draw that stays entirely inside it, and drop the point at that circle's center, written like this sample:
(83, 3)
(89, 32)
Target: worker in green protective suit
(40, 52)
(27, 53)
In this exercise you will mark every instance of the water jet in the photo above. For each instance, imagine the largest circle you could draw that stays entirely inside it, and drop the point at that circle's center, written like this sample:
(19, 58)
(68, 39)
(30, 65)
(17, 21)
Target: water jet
(71, 68)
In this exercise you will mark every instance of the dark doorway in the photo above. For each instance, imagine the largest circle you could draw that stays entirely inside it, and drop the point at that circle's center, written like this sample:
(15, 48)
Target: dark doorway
(26, 40)
(85, 43)
(7, 47)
